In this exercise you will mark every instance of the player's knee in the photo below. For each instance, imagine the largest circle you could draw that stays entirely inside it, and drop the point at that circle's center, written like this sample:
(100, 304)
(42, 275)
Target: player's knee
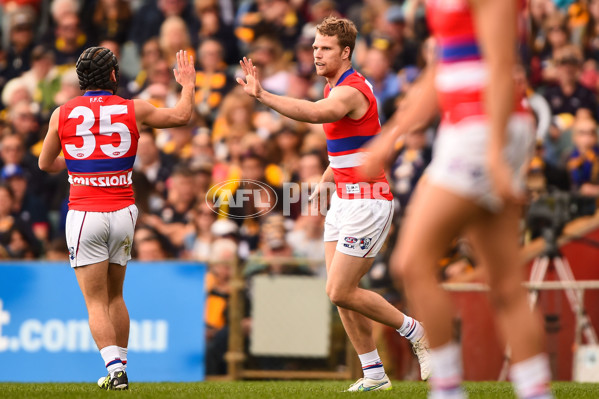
(506, 293)
(405, 266)
(339, 297)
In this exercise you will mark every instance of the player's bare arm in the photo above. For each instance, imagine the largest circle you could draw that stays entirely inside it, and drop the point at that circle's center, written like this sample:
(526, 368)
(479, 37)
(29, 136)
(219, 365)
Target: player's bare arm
(180, 114)
(422, 108)
(341, 101)
(49, 160)
(496, 26)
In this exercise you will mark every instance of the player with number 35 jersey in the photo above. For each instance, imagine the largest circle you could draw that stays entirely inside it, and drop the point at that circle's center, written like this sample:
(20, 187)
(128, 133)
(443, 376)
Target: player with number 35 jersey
(98, 134)
(99, 156)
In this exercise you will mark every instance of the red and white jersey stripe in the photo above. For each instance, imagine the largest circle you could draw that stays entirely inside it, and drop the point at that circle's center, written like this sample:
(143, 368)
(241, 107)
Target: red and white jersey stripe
(345, 141)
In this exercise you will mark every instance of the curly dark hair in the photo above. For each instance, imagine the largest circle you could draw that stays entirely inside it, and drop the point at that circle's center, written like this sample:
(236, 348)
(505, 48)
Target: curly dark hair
(94, 67)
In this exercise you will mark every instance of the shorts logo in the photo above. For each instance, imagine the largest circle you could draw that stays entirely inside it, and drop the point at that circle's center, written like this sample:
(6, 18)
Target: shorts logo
(126, 244)
(365, 242)
(351, 246)
(72, 253)
(351, 240)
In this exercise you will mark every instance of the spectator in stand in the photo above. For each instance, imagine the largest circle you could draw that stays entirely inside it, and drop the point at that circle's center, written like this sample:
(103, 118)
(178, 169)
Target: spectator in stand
(14, 91)
(537, 102)
(23, 122)
(150, 249)
(235, 118)
(157, 90)
(173, 37)
(154, 164)
(12, 152)
(27, 207)
(267, 55)
(202, 152)
(21, 35)
(302, 83)
(212, 26)
(385, 83)
(286, 143)
(274, 255)
(70, 40)
(43, 79)
(111, 20)
(213, 81)
(590, 36)
(218, 288)
(199, 241)
(150, 55)
(538, 12)
(275, 18)
(412, 158)
(69, 87)
(148, 19)
(16, 236)
(583, 163)
(558, 37)
(57, 250)
(403, 51)
(223, 253)
(172, 221)
(307, 239)
(568, 96)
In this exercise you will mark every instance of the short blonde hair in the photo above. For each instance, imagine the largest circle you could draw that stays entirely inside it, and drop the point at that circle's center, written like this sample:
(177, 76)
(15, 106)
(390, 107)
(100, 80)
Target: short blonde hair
(344, 29)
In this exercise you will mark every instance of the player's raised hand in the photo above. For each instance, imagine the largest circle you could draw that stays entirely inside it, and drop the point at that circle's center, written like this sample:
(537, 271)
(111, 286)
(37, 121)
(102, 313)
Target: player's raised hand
(185, 72)
(251, 85)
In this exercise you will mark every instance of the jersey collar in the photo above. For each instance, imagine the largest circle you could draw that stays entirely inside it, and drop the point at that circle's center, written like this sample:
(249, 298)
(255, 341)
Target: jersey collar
(345, 75)
(91, 93)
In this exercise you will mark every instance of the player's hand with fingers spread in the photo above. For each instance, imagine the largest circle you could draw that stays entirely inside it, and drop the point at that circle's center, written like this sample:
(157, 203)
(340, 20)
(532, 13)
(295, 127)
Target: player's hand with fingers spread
(251, 85)
(185, 72)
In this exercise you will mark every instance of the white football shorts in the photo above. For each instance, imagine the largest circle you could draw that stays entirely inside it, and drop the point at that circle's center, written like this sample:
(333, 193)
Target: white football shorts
(460, 158)
(93, 237)
(359, 226)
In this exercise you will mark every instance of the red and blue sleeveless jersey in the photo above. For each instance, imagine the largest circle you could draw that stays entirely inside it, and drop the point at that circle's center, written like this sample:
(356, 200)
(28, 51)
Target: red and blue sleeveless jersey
(98, 135)
(345, 139)
(461, 73)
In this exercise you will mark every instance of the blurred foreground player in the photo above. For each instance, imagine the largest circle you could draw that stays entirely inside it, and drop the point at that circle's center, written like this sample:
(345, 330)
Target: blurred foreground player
(361, 210)
(98, 134)
(474, 186)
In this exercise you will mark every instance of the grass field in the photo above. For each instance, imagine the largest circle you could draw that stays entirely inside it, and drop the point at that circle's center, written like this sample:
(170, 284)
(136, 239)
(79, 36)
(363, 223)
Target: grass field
(273, 390)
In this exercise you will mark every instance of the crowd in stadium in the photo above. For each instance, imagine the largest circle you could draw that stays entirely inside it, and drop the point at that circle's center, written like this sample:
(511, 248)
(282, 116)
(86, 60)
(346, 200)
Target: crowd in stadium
(231, 136)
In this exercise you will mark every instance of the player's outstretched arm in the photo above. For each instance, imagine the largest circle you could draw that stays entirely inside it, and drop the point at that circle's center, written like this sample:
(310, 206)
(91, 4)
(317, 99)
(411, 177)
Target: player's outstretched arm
(185, 75)
(422, 107)
(49, 160)
(342, 101)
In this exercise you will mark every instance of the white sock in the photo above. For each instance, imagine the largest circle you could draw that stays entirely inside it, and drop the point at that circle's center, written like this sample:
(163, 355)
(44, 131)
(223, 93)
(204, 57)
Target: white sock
(531, 377)
(446, 370)
(123, 356)
(411, 329)
(112, 359)
(372, 365)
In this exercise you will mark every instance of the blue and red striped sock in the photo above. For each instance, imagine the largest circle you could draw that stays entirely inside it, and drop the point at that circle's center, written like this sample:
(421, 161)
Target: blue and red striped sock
(372, 366)
(411, 329)
(112, 359)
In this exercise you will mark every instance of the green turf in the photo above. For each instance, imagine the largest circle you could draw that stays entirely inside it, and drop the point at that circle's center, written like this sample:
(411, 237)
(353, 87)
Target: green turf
(272, 389)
